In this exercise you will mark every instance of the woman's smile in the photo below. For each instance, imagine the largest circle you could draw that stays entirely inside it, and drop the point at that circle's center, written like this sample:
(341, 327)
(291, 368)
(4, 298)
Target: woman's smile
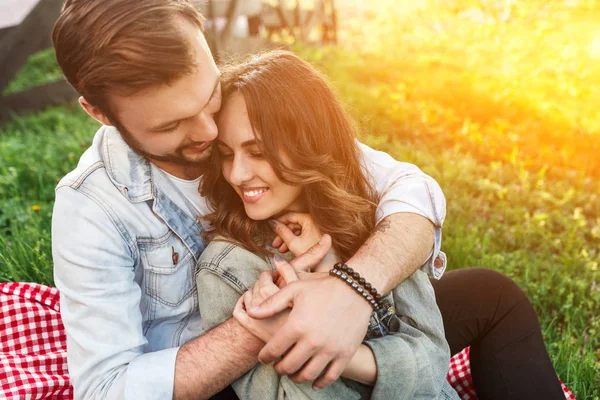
(253, 194)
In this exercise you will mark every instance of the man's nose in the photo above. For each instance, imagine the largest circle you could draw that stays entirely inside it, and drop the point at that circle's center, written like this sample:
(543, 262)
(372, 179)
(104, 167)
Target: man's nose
(240, 172)
(204, 128)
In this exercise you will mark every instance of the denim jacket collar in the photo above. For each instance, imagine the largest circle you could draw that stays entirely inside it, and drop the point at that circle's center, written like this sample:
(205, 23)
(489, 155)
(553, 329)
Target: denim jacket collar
(129, 172)
(141, 181)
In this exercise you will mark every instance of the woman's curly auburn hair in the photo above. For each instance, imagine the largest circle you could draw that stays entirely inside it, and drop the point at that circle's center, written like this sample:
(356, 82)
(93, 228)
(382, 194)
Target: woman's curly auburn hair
(292, 109)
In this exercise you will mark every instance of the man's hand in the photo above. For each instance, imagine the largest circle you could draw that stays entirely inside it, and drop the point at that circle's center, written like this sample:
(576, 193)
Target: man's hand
(264, 288)
(327, 323)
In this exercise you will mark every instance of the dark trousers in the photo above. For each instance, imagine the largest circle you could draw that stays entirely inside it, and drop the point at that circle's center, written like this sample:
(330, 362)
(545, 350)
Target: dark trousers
(486, 310)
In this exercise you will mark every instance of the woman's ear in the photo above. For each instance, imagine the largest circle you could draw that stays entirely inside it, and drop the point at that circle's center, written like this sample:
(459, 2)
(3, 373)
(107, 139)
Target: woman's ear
(94, 112)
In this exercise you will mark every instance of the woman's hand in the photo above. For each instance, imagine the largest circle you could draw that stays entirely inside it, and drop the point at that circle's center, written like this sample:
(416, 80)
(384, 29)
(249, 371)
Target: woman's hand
(297, 233)
(264, 288)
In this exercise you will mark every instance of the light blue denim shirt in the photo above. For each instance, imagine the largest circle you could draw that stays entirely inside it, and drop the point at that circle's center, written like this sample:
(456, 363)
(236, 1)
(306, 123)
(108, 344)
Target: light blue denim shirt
(124, 262)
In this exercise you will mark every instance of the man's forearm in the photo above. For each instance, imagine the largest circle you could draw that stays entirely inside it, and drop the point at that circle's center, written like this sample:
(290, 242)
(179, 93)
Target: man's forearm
(398, 246)
(213, 361)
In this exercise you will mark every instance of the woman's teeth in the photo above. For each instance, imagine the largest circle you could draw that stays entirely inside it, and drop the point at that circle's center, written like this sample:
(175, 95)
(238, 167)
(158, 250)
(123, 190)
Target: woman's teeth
(254, 193)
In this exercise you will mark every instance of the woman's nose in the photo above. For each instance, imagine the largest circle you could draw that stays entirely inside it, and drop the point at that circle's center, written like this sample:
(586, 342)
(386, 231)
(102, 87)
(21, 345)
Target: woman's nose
(241, 172)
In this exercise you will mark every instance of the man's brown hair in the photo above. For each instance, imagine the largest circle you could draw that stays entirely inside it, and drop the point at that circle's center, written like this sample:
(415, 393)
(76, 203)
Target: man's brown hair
(123, 46)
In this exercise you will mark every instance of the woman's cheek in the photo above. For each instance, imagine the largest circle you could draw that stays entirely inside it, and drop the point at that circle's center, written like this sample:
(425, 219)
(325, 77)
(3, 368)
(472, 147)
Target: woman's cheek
(226, 170)
(267, 173)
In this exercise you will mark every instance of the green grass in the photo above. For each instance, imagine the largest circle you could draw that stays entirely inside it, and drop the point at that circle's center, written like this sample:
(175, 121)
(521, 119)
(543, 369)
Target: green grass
(40, 68)
(514, 145)
(36, 151)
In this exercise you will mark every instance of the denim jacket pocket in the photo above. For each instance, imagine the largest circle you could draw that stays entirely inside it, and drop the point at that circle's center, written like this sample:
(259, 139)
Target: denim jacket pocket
(169, 270)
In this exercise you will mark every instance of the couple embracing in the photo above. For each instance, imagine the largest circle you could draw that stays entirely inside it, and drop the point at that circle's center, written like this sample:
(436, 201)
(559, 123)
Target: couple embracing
(226, 232)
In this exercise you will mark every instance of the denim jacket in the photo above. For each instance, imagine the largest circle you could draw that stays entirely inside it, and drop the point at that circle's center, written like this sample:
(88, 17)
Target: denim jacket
(412, 361)
(124, 261)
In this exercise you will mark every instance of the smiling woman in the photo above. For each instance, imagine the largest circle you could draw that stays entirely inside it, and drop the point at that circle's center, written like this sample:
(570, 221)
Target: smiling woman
(283, 147)
(246, 169)
(287, 151)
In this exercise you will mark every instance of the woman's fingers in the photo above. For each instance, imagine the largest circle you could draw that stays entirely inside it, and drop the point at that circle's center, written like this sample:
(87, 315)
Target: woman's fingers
(282, 231)
(309, 260)
(239, 312)
(248, 299)
(292, 217)
(296, 228)
(266, 286)
(277, 242)
(263, 289)
(283, 248)
(275, 304)
(286, 271)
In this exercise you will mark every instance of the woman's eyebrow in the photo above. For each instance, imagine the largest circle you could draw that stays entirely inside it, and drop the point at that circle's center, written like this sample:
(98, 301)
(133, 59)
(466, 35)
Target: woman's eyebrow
(249, 143)
(220, 143)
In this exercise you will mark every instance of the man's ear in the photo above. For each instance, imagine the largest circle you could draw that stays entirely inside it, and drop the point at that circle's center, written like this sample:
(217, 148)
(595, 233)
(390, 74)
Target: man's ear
(94, 112)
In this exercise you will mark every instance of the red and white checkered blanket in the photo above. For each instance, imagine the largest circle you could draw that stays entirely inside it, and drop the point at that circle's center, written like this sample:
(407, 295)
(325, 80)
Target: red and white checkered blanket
(33, 363)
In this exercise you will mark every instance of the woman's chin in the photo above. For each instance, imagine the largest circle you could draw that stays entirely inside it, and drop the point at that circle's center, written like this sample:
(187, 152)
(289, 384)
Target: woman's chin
(258, 215)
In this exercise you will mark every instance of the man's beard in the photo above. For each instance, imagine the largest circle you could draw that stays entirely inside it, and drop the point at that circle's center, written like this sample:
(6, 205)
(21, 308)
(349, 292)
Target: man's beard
(175, 157)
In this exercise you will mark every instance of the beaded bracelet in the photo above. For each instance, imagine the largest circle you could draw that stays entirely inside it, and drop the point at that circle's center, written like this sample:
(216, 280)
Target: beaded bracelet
(353, 279)
(356, 286)
(344, 268)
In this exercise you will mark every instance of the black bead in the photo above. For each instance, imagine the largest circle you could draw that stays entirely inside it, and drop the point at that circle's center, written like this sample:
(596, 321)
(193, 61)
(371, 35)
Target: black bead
(344, 267)
(378, 297)
(355, 275)
(362, 281)
(368, 286)
(350, 270)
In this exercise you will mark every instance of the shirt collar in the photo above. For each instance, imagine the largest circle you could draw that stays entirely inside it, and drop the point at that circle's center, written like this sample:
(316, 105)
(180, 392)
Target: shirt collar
(128, 170)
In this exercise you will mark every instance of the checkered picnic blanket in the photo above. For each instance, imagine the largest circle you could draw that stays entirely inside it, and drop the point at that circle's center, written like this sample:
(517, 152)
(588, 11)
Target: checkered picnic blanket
(33, 360)
(33, 363)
